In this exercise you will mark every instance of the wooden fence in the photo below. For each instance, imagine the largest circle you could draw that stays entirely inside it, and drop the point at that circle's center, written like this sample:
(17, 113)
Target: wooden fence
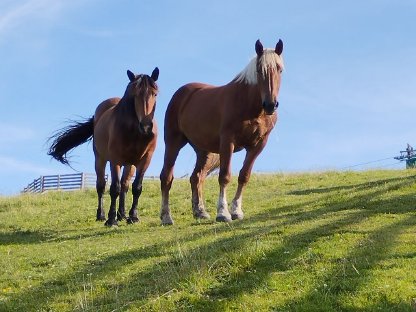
(76, 181)
(66, 182)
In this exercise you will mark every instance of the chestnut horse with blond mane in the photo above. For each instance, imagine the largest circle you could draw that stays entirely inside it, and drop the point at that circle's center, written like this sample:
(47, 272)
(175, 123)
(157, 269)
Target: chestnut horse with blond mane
(222, 120)
(124, 133)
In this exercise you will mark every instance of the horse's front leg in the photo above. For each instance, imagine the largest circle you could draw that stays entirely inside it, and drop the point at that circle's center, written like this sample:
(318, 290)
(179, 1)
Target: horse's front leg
(138, 186)
(114, 193)
(243, 178)
(128, 172)
(226, 151)
(137, 191)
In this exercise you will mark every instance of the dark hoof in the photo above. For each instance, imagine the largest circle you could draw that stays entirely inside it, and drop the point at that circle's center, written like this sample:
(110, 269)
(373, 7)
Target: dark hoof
(121, 217)
(111, 223)
(223, 219)
(202, 215)
(100, 218)
(237, 216)
(166, 219)
(132, 220)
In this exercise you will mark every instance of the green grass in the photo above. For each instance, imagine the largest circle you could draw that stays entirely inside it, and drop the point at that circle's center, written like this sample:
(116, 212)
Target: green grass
(333, 241)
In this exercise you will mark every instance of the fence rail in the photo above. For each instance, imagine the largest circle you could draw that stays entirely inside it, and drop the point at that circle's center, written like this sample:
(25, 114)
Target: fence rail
(76, 181)
(66, 182)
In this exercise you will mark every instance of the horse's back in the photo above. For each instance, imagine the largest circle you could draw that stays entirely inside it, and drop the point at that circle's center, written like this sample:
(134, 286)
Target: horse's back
(104, 106)
(102, 119)
(195, 110)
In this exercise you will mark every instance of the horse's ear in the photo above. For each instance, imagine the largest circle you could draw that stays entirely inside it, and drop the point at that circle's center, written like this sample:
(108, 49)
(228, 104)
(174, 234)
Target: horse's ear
(259, 48)
(131, 76)
(279, 47)
(155, 74)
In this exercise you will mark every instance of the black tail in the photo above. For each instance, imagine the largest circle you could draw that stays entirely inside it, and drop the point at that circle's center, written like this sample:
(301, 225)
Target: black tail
(70, 137)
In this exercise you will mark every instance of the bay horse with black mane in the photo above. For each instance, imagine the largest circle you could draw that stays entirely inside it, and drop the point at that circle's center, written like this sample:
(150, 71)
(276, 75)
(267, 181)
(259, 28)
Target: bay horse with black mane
(124, 132)
(222, 120)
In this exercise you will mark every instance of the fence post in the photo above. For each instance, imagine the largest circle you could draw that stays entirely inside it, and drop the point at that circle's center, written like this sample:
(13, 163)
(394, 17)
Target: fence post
(41, 184)
(82, 180)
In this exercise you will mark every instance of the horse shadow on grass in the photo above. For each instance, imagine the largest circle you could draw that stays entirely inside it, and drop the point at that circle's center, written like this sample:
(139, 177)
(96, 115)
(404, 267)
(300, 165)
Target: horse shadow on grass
(145, 287)
(383, 240)
(18, 236)
(359, 186)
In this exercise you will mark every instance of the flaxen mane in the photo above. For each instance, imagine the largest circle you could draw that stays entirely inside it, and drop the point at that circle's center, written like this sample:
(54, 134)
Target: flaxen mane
(269, 59)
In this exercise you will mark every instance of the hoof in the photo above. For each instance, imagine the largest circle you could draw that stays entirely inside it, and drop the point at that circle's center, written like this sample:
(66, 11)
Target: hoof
(223, 219)
(202, 215)
(166, 220)
(121, 217)
(100, 218)
(132, 220)
(111, 223)
(237, 216)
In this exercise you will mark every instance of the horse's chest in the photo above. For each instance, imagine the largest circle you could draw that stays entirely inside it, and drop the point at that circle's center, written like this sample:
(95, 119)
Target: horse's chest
(130, 151)
(251, 133)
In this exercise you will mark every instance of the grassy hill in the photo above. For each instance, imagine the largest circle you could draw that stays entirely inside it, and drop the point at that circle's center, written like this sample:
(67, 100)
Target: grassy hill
(334, 241)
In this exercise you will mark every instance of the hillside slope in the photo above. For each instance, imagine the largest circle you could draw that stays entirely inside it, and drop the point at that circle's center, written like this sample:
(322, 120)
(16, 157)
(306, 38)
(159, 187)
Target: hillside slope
(333, 241)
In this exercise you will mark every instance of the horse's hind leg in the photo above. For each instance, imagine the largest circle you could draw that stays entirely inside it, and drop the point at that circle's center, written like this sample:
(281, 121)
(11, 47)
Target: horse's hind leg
(174, 141)
(100, 186)
(114, 193)
(128, 172)
(197, 183)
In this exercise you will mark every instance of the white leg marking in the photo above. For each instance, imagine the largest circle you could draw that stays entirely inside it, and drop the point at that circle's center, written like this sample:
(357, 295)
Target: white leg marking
(236, 205)
(223, 215)
(165, 216)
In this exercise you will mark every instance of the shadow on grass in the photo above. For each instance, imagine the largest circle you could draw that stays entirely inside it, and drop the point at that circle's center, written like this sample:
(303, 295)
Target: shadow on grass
(346, 278)
(24, 237)
(143, 287)
(360, 186)
(21, 237)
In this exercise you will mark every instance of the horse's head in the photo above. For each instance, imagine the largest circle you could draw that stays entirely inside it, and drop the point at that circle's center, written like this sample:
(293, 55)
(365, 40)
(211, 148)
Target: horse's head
(269, 67)
(143, 89)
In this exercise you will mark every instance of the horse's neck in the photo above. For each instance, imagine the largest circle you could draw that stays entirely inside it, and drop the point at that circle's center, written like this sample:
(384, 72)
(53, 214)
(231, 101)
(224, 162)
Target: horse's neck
(125, 107)
(125, 114)
(247, 96)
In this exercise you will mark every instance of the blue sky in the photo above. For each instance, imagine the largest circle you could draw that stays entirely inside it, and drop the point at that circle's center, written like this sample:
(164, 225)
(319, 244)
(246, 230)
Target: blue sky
(347, 96)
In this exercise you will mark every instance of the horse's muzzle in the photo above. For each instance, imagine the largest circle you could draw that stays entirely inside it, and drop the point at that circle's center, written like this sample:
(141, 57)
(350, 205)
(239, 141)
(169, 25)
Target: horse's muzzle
(270, 108)
(146, 127)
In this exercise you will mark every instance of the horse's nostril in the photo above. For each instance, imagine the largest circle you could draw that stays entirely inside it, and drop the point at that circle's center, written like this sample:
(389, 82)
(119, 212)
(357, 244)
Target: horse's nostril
(269, 108)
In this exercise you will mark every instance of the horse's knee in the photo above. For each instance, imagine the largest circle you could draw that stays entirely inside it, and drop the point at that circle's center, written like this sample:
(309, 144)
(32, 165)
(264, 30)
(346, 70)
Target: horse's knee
(115, 188)
(100, 187)
(137, 189)
(166, 178)
(243, 178)
(224, 178)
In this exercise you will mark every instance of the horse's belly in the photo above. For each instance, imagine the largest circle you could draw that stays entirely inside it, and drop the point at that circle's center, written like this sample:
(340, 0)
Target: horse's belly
(205, 143)
(201, 133)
